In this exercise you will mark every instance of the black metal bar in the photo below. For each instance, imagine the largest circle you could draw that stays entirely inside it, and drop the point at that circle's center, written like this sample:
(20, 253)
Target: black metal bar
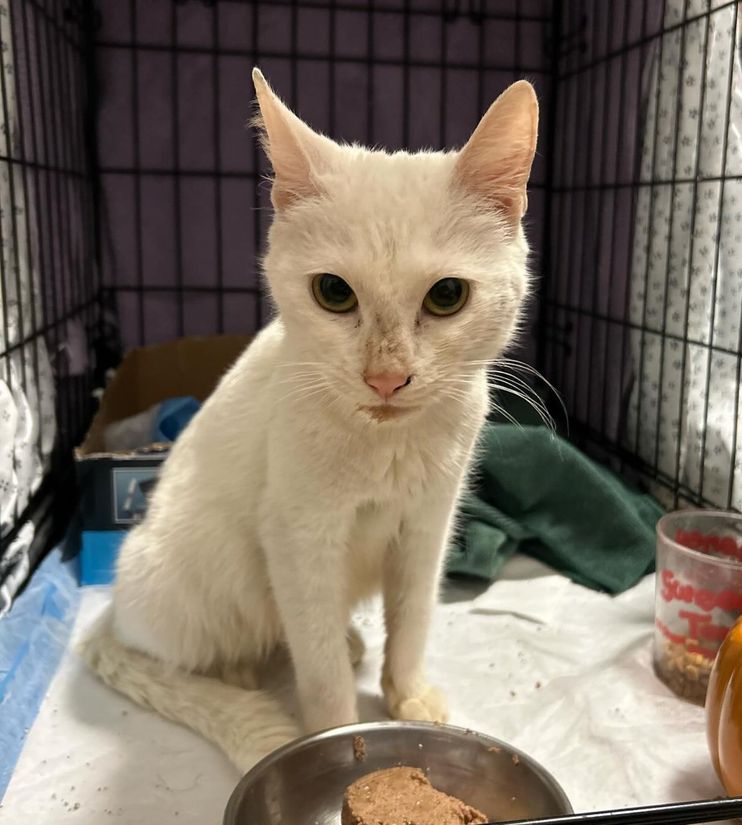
(331, 83)
(517, 44)
(588, 437)
(370, 80)
(311, 57)
(489, 10)
(691, 251)
(442, 66)
(647, 38)
(480, 70)
(95, 207)
(61, 320)
(293, 56)
(577, 230)
(621, 321)
(43, 167)
(82, 386)
(638, 184)
(555, 274)
(596, 268)
(256, 159)
(590, 229)
(625, 361)
(175, 114)
(137, 177)
(717, 252)
(677, 813)
(65, 143)
(615, 223)
(83, 262)
(52, 125)
(40, 146)
(59, 29)
(406, 75)
(665, 298)
(650, 238)
(735, 426)
(5, 309)
(28, 183)
(185, 288)
(217, 139)
(71, 287)
(549, 151)
(15, 262)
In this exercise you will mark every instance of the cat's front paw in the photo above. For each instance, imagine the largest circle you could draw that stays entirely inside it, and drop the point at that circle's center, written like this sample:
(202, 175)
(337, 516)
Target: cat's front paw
(425, 704)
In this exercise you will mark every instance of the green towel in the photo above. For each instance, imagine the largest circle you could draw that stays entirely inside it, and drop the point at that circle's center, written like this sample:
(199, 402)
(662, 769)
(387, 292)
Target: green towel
(534, 492)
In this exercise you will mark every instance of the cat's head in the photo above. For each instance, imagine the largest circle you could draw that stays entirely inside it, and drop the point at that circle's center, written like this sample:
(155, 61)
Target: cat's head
(397, 275)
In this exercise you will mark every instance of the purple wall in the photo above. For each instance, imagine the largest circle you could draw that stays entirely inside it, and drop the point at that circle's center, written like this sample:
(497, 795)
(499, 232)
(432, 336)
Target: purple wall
(180, 173)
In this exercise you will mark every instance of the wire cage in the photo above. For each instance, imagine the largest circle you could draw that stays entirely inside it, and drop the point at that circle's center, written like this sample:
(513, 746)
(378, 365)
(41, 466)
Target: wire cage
(133, 210)
(641, 300)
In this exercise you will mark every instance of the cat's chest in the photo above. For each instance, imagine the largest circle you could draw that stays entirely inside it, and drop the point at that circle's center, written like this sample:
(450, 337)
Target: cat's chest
(399, 471)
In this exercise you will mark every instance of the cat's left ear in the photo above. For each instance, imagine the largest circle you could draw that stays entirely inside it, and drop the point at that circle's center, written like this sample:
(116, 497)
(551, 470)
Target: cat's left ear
(496, 161)
(297, 154)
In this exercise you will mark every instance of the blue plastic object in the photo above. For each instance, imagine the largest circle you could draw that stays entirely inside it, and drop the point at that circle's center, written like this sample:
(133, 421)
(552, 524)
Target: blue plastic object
(173, 417)
(99, 550)
(33, 637)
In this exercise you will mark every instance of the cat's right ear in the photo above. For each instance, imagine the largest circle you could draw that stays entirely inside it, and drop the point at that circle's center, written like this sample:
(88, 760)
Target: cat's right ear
(495, 163)
(297, 154)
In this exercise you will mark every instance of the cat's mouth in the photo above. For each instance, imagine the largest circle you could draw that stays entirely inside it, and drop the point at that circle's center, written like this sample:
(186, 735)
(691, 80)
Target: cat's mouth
(385, 412)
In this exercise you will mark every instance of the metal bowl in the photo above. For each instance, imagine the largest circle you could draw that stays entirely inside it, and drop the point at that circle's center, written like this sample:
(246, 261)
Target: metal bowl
(303, 783)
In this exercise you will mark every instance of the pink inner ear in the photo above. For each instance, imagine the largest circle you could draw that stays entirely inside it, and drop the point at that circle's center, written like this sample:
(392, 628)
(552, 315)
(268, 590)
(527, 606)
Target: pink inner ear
(292, 172)
(294, 150)
(282, 196)
(496, 162)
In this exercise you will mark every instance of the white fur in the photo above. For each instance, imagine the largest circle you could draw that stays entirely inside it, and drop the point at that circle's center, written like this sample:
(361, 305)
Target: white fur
(291, 496)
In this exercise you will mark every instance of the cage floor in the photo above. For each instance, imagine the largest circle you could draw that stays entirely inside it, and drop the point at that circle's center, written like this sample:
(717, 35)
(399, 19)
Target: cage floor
(561, 672)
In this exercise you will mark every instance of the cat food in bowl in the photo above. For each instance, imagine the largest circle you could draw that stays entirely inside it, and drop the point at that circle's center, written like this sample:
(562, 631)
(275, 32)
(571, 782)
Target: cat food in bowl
(305, 782)
(401, 794)
(698, 596)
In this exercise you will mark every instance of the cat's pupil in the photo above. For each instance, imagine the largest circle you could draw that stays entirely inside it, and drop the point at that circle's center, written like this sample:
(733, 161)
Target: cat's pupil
(446, 293)
(334, 289)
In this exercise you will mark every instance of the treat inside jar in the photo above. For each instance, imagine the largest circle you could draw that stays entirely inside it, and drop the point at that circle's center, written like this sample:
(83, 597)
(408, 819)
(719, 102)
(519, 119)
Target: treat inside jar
(404, 796)
(684, 669)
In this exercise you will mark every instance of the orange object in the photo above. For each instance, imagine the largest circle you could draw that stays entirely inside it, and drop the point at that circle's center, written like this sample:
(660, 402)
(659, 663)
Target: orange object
(724, 711)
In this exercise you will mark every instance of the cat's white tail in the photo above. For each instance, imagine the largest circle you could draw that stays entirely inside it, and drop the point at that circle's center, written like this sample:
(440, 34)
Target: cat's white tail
(245, 724)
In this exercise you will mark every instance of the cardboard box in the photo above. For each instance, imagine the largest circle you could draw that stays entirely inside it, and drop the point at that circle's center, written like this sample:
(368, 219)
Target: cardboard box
(114, 486)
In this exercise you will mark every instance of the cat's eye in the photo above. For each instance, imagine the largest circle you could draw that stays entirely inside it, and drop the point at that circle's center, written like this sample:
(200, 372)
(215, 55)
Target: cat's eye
(333, 294)
(447, 296)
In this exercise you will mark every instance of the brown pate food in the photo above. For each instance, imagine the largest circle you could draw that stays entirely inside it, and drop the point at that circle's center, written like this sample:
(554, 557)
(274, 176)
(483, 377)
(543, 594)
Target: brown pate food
(403, 796)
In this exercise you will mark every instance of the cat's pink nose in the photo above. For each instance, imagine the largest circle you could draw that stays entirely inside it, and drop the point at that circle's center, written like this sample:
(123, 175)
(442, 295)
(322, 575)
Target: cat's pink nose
(387, 383)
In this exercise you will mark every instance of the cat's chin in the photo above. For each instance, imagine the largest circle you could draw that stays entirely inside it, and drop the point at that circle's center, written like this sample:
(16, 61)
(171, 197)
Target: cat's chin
(383, 413)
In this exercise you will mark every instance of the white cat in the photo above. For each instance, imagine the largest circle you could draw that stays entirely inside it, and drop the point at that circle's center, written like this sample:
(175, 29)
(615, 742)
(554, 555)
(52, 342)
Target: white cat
(328, 462)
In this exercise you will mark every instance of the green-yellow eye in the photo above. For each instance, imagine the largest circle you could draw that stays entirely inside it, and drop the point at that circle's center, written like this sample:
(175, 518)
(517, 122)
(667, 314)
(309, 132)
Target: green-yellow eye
(333, 293)
(446, 297)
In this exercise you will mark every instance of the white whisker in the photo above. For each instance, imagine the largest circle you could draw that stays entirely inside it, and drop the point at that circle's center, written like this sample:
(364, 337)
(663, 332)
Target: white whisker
(514, 365)
(520, 389)
(505, 414)
(299, 364)
(303, 376)
(303, 392)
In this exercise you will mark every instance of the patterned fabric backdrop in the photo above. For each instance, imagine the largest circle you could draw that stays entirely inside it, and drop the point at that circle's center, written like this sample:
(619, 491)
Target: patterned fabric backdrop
(687, 258)
(27, 421)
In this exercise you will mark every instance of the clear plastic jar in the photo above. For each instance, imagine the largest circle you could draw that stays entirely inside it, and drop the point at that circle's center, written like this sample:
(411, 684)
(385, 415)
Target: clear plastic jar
(698, 596)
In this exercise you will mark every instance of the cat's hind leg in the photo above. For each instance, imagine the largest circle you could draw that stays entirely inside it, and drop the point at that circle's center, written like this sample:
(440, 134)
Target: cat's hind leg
(245, 724)
(240, 674)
